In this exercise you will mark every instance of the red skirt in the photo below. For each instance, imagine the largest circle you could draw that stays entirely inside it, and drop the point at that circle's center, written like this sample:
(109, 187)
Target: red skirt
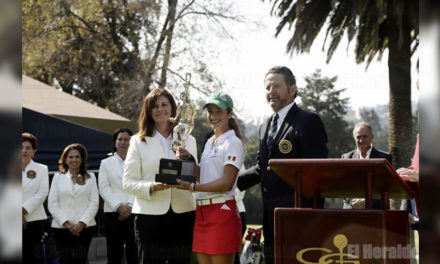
(217, 229)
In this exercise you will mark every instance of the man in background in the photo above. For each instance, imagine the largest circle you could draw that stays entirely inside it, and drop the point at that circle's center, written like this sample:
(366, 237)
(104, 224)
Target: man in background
(363, 137)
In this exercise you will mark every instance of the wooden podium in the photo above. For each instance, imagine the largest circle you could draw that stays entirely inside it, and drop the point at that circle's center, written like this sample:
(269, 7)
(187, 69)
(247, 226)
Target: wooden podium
(325, 236)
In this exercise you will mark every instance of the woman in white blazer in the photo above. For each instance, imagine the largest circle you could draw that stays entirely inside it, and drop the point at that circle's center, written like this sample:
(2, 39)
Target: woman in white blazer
(35, 187)
(118, 220)
(164, 217)
(73, 202)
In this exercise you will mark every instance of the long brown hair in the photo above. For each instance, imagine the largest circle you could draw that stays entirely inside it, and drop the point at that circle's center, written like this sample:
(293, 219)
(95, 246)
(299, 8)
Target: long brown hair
(233, 124)
(146, 122)
(82, 151)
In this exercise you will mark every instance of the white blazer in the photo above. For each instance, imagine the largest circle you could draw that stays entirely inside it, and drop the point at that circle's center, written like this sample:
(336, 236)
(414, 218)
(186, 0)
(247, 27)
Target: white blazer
(35, 191)
(110, 184)
(141, 167)
(73, 202)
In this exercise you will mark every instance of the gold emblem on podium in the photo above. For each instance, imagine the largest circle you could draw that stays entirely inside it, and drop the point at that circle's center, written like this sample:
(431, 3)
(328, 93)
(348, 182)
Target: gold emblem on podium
(340, 241)
(285, 146)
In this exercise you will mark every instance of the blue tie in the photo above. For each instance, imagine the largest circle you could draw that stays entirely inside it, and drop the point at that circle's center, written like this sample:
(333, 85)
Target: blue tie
(272, 131)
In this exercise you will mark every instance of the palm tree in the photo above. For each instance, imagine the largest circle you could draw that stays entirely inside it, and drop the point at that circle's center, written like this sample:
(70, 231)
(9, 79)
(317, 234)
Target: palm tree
(377, 25)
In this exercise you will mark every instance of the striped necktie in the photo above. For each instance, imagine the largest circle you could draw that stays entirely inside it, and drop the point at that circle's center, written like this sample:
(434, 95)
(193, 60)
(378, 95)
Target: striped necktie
(272, 130)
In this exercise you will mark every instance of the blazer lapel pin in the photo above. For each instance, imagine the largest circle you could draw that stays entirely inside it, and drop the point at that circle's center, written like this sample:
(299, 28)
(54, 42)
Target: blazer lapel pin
(31, 174)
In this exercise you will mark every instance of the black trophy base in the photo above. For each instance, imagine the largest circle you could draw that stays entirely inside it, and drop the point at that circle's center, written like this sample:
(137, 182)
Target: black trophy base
(171, 179)
(170, 169)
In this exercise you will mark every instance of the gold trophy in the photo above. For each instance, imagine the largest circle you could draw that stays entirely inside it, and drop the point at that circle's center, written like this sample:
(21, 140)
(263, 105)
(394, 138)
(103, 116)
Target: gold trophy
(186, 114)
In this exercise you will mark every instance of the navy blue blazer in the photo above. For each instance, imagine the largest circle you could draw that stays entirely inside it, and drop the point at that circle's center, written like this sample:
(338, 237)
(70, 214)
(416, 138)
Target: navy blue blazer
(307, 138)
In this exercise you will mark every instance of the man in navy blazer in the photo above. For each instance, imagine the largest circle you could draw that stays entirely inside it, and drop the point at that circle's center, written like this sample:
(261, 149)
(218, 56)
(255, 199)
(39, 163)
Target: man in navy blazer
(288, 134)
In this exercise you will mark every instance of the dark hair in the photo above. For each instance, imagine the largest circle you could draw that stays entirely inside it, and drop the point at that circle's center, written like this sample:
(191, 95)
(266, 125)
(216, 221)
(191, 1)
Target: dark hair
(116, 134)
(289, 78)
(234, 125)
(82, 151)
(30, 138)
(146, 122)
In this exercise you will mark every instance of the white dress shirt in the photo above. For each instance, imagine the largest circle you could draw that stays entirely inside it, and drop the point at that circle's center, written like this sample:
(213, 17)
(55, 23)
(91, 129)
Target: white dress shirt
(73, 202)
(167, 143)
(282, 113)
(110, 184)
(368, 153)
(35, 190)
(141, 167)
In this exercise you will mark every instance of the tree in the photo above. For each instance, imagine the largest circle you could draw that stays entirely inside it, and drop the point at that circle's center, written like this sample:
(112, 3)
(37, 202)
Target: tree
(378, 26)
(320, 96)
(113, 52)
(89, 49)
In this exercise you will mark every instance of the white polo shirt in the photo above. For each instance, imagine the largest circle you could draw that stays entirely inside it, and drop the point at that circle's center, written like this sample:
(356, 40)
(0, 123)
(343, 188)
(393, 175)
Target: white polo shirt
(226, 149)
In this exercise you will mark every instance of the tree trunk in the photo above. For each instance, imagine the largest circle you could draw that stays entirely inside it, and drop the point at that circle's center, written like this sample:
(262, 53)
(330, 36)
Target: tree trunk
(172, 6)
(399, 70)
(148, 79)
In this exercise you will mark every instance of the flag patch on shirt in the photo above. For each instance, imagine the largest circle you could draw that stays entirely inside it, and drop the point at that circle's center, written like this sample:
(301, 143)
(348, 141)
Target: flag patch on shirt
(233, 158)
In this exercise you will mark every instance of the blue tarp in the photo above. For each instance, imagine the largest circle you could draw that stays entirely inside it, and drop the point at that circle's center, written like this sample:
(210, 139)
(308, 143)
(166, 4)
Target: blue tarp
(55, 134)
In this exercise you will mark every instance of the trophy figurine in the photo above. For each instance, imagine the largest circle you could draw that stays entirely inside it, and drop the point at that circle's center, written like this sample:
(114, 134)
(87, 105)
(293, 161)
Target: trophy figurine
(183, 123)
(186, 114)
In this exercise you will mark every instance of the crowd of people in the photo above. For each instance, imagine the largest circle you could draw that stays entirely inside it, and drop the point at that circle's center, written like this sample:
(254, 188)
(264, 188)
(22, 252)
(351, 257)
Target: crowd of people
(162, 223)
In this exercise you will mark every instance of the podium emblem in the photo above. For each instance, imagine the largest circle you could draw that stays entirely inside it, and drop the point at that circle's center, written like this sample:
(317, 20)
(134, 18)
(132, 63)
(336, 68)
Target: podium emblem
(340, 241)
(285, 146)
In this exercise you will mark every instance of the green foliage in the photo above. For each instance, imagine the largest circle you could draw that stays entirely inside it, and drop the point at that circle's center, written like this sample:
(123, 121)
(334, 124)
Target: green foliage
(365, 19)
(321, 97)
(91, 49)
(112, 53)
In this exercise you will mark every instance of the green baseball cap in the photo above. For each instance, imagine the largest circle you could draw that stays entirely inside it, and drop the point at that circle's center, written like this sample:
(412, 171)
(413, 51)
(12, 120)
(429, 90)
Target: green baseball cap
(222, 100)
